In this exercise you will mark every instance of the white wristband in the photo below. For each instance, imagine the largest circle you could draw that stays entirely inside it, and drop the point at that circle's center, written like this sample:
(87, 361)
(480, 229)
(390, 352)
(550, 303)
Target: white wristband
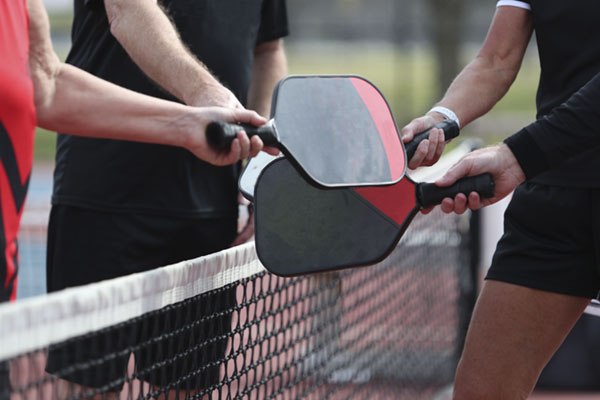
(446, 112)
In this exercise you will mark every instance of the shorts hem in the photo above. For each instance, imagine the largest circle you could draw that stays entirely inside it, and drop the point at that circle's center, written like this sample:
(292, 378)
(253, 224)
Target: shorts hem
(544, 286)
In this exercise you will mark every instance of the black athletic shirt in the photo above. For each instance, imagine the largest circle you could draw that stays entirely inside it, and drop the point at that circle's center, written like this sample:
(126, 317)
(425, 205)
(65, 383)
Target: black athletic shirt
(567, 131)
(568, 41)
(126, 176)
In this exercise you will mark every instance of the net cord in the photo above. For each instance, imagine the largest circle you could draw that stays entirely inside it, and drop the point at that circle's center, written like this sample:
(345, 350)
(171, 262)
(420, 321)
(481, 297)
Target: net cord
(38, 322)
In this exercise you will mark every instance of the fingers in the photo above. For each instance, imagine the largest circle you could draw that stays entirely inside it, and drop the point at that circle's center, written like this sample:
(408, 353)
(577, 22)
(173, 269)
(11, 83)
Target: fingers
(475, 201)
(245, 146)
(429, 150)
(256, 145)
(248, 117)
(274, 151)
(457, 171)
(435, 148)
(415, 126)
(234, 155)
(461, 203)
(420, 154)
(242, 201)
(457, 205)
(250, 147)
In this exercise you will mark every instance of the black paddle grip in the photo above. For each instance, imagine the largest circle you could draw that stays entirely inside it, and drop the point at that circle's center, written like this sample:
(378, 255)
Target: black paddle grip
(428, 194)
(220, 134)
(449, 127)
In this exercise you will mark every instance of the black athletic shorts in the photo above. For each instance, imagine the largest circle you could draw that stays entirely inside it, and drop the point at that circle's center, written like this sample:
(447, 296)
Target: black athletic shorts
(87, 246)
(4, 381)
(551, 240)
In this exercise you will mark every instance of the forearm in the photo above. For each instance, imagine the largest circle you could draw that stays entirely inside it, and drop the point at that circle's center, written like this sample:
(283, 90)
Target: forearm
(270, 66)
(87, 106)
(570, 129)
(478, 87)
(486, 79)
(150, 39)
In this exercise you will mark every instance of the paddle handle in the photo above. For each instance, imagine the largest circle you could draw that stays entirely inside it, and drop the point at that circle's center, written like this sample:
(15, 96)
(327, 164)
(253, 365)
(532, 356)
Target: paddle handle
(220, 134)
(449, 127)
(428, 194)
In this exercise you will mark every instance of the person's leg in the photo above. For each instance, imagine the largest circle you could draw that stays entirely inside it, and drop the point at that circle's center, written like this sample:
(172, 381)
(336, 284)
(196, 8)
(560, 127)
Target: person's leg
(86, 246)
(200, 320)
(514, 332)
(542, 276)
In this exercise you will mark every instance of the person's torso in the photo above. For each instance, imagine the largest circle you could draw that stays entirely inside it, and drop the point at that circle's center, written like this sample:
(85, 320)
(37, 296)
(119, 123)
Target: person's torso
(121, 175)
(17, 125)
(568, 41)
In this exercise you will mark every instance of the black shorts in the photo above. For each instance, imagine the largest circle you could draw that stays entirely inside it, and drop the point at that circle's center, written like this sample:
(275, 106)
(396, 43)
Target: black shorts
(551, 240)
(4, 381)
(87, 246)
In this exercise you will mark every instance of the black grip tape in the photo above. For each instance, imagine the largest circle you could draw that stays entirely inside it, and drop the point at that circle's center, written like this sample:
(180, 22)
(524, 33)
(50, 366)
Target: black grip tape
(449, 127)
(428, 194)
(220, 134)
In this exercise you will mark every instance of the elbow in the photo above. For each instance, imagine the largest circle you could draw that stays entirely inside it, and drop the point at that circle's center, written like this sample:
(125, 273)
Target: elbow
(44, 76)
(270, 47)
(503, 67)
(114, 14)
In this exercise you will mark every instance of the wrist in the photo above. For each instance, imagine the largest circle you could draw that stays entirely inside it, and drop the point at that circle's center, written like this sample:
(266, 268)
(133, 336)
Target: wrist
(527, 153)
(511, 162)
(446, 113)
(198, 93)
(181, 127)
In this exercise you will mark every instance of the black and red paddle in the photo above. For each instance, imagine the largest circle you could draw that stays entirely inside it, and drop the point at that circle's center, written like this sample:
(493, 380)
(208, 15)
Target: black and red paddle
(300, 228)
(337, 130)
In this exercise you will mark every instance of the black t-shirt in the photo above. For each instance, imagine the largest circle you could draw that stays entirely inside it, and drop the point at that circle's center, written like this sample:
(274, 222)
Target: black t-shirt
(567, 38)
(126, 176)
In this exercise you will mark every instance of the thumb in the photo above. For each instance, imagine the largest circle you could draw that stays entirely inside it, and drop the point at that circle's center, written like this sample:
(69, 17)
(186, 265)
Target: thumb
(457, 171)
(409, 131)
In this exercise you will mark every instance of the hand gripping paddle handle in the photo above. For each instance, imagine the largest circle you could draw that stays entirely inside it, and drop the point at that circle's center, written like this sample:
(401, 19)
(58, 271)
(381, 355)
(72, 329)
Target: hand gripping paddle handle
(428, 194)
(220, 134)
(449, 127)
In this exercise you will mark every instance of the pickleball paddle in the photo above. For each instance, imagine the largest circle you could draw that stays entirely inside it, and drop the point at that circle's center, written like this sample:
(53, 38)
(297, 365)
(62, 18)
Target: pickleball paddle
(337, 130)
(300, 228)
(255, 165)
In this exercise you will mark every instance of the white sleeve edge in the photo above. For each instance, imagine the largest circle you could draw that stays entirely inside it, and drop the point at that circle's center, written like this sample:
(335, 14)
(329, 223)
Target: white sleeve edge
(513, 3)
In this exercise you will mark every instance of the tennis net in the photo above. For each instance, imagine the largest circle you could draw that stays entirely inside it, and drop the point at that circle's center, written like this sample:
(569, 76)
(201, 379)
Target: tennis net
(221, 327)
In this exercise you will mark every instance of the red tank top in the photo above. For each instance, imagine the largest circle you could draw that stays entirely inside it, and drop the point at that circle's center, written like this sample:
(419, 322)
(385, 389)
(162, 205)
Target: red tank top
(17, 125)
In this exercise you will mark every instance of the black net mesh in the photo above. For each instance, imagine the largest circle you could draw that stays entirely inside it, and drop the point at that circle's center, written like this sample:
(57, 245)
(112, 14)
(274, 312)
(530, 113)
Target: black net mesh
(393, 330)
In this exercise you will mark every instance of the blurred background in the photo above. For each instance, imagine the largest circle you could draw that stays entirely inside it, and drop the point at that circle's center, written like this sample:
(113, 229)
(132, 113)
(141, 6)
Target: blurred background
(410, 49)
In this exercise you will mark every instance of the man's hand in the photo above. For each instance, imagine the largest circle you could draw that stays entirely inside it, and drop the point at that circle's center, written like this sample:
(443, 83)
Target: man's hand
(497, 160)
(429, 151)
(195, 123)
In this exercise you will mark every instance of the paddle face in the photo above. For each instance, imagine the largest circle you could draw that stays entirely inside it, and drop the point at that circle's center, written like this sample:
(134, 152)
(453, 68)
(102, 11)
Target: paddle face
(338, 130)
(300, 228)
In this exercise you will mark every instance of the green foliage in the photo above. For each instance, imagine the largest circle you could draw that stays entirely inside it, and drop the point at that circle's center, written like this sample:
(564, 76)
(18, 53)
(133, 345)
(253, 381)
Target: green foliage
(407, 79)
(61, 21)
(45, 145)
